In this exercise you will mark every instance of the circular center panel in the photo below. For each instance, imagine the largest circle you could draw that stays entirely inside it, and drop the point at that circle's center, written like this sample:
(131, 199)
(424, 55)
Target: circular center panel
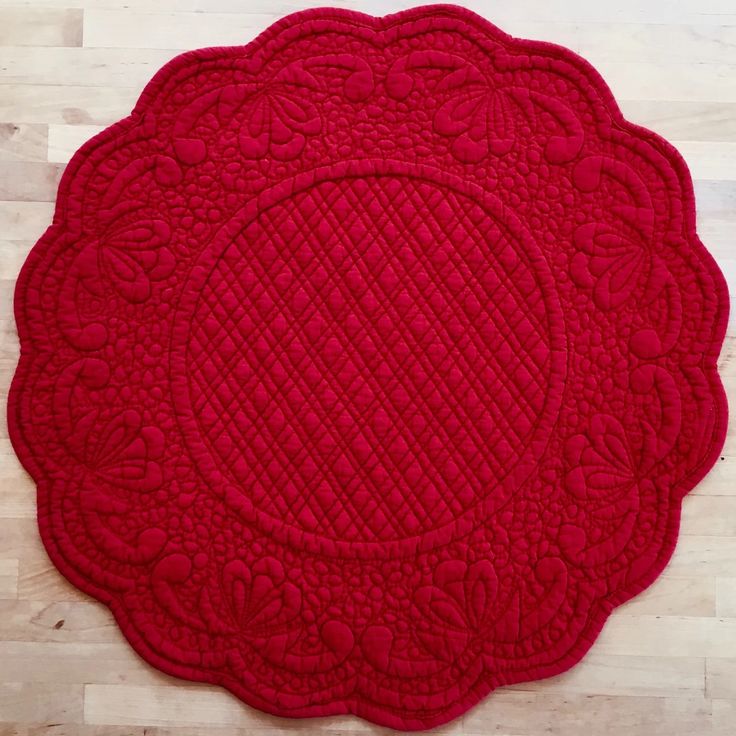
(369, 358)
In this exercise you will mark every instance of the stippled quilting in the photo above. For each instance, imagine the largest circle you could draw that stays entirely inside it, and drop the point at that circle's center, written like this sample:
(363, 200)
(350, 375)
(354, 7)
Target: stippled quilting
(364, 367)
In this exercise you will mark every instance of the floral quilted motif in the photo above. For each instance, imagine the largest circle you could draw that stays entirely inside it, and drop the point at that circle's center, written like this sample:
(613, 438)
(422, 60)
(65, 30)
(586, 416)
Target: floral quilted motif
(364, 367)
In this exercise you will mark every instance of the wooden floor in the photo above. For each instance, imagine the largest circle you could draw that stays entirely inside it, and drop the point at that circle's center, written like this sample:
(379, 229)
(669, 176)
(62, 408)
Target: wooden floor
(665, 663)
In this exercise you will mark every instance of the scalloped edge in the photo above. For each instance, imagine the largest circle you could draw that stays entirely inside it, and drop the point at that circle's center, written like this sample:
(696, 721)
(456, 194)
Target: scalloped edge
(381, 715)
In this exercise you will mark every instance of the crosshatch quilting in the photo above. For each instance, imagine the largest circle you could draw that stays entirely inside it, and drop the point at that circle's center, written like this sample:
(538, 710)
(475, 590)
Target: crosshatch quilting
(364, 367)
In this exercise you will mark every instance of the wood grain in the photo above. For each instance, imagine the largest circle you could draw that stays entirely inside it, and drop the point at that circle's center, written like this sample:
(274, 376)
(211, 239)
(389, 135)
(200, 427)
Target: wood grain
(666, 661)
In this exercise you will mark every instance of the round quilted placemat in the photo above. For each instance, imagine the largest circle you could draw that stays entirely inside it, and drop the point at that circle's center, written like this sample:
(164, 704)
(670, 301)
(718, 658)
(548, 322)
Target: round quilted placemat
(364, 367)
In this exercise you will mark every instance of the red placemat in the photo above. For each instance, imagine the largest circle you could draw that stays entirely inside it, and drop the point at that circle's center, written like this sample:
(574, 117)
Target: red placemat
(364, 367)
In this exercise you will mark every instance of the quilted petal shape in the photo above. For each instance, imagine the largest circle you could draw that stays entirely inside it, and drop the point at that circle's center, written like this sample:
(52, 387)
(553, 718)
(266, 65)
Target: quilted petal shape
(364, 367)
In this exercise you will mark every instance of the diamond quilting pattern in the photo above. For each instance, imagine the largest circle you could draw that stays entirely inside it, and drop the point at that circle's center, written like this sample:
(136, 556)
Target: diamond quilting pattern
(364, 367)
(368, 376)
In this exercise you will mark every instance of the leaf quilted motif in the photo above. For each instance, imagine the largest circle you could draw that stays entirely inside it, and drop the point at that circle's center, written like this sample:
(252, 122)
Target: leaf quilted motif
(364, 367)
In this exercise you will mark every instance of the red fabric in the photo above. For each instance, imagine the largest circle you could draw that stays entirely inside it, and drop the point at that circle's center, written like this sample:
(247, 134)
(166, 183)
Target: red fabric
(364, 367)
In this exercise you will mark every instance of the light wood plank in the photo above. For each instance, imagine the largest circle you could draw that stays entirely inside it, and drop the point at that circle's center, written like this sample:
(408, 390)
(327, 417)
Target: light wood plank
(726, 596)
(530, 714)
(65, 140)
(29, 182)
(18, 496)
(707, 556)
(69, 104)
(718, 12)
(8, 578)
(727, 360)
(684, 120)
(720, 677)
(14, 253)
(709, 515)
(662, 81)
(719, 481)
(640, 42)
(40, 26)
(192, 705)
(84, 67)
(18, 537)
(34, 702)
(78, 729)
(673, 636)
(708, 159)
(724, 716)
(79, 663)
(43, 621)
(24, 220)
(23, 142)
(709, 12)
(631, 676)
(676, 596)
(39, 580)
(155, 30)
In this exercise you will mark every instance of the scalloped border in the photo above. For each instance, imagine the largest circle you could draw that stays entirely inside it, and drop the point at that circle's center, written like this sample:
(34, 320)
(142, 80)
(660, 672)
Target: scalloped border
(381, 715)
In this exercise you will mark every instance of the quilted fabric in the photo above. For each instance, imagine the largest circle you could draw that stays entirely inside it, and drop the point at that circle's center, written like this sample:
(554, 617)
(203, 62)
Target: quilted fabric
(364, 367)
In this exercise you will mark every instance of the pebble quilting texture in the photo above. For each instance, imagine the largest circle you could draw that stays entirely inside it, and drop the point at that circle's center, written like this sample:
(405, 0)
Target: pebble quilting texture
(364, 367)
